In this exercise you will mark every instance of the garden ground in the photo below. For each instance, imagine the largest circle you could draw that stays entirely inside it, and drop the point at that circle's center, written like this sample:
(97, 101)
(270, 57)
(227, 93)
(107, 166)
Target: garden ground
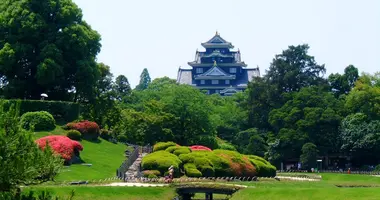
(325, 189)
(104, 158)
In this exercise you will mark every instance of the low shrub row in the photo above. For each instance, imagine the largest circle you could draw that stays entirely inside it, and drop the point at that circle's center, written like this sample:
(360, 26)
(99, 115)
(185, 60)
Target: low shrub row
(61, 110)
(200, 161)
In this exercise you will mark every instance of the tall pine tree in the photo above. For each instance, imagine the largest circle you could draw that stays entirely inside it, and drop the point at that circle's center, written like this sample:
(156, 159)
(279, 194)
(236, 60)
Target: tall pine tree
(144, 80)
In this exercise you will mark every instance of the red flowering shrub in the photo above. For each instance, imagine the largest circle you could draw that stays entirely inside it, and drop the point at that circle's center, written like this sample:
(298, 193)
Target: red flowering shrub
(199, 148)
(240, 165)
(89, 130)
(61, 145)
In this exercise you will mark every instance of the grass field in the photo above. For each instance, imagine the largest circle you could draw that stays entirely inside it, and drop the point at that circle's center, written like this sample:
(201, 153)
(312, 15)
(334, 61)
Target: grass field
(104, 156)
(262, 190)
(110, 193)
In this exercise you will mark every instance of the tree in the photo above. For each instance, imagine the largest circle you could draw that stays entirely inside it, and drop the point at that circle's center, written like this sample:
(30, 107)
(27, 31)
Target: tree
(364, 97)
(159, 83)
(257, 146)
(46, 47)
(122, 87)
(22, 162)
(295, 69)
(342, 84)
(310, 115)
(144, 80)
(309, 155)
(361, 138)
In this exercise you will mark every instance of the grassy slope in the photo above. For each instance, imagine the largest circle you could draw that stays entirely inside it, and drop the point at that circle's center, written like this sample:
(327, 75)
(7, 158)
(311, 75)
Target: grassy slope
(114, 193)
(104, 156)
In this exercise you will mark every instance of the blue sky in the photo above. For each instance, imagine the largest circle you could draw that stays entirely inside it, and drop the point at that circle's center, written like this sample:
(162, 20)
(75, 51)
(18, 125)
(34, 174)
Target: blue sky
(163, 35)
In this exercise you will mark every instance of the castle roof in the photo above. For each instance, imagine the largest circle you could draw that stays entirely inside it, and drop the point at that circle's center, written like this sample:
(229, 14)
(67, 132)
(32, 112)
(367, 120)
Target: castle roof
(217, 42)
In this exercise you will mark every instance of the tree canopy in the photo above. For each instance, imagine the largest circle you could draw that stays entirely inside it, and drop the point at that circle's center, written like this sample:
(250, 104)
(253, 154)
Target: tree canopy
(46, 47)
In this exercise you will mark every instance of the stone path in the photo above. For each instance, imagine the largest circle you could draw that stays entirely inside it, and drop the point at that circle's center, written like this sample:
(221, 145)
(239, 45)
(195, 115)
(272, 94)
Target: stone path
(297, 178)
(134, 169)
(137, 184)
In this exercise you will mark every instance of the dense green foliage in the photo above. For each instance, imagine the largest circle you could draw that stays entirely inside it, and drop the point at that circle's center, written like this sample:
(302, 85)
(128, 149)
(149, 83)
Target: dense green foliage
(62, 111)
(161, 161)
(74, 135)
(46, 48)
(202, 163)
(37, 121)
(22, 162)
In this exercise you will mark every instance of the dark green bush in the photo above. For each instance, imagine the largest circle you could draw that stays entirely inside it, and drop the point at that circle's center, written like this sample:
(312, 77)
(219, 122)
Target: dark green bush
(263, 167)
(122, 138)
(377, 168)
(105, 134)
(163, 145)
(226, 146)
(38, 121)
(61, 110)
(74, 135)
(191, 170)
(207, 171)
(161, 161)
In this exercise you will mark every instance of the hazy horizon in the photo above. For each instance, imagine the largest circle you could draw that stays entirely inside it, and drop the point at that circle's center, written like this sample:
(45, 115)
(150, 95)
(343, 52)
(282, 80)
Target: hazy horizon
(163, 35)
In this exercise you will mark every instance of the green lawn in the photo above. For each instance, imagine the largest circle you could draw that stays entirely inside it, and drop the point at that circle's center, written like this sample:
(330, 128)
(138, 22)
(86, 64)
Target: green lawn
(261, 190)
(104, 156)
(111, 193)
(325, 189)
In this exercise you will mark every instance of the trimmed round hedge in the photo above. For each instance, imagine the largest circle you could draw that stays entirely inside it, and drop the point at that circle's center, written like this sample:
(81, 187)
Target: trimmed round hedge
(74, 135)
(163, 146)
(37, 121)
(161, 161)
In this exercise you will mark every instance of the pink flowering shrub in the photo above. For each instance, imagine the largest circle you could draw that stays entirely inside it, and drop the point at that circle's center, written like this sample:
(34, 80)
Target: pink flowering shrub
(199, 148)
(61, 145)
(88, 129)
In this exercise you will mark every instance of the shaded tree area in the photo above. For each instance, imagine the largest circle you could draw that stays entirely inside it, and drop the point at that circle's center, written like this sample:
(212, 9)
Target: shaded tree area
(46, 47)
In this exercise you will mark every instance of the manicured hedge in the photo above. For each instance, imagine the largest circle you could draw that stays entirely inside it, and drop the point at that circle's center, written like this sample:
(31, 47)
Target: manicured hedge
(199, 148)
(263, 167)
(74, 135)
(89, 130)
(61, 110)
(150, 173)
(191, 170)
(163, 146)
(62, 145)
(37, 121)
(239, 164)
(161, 161)
(178, 150)
(207, 163)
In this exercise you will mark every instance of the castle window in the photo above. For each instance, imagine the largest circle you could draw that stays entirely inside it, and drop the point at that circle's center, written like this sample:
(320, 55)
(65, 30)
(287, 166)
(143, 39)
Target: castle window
(227, 82)
(199, 70)
(202, 82)
(214, 82)
(233, 70)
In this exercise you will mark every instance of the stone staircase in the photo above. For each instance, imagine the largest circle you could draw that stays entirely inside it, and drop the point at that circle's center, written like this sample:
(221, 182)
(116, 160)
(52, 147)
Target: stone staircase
(134, 170)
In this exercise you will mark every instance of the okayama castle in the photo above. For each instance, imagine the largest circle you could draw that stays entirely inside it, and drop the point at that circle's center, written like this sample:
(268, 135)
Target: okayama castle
(218, 70)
